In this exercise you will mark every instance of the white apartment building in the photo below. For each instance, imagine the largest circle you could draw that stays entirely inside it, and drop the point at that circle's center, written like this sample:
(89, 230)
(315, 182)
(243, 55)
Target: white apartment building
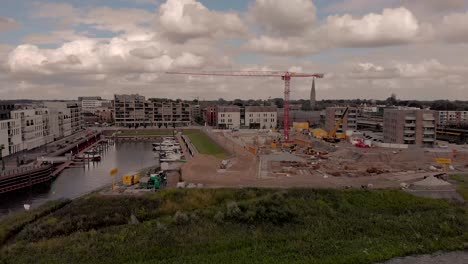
(452, 117)
(228, 117)
(91, 105)
(32, 128)
(69, 118)
(10, 136)
(260, 117)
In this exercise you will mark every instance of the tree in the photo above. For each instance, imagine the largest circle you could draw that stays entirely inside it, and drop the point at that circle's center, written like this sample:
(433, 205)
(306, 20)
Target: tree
(238, 102)
(392, 100)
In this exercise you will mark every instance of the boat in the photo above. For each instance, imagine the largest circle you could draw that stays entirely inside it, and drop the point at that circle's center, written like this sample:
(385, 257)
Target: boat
(170, 157)
(165, 143)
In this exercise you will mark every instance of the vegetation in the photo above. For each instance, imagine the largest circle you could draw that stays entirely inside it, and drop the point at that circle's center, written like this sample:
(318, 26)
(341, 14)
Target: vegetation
(462, 188)
(241, 226)
(204, 144)
(12, 224)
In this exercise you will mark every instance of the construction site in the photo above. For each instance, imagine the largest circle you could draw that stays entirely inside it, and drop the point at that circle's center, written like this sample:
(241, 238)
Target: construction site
(257, 160)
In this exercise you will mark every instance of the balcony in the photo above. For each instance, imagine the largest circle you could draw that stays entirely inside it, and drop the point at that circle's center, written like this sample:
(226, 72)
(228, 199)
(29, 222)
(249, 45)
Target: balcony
(428, 139)
(410, 124)
(407, 131)
(409, 138)
(429, 132)
(410, 118)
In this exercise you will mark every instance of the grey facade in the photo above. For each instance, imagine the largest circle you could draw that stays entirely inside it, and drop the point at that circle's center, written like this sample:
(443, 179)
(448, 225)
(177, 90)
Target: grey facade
(412, 127)
(135, 111)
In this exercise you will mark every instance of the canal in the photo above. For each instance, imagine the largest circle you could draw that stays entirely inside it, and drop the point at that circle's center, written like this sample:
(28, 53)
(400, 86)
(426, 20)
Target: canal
(127, 156)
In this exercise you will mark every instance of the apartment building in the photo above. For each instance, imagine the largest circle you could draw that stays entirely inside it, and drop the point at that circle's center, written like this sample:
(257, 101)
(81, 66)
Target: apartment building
(93, 104)
(411, 126)
(69, 117)
(228, 117)
(10, 136)
(135, 111)
(5, 110)
(32, 128)
(452, 117)
(260, 117)
(333, 114)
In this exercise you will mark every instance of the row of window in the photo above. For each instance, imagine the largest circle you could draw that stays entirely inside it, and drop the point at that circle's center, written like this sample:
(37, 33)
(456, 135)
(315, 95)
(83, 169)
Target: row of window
(264, 115)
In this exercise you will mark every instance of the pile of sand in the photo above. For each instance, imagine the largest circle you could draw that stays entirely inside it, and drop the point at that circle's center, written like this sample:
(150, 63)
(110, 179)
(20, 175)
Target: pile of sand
(431, 182)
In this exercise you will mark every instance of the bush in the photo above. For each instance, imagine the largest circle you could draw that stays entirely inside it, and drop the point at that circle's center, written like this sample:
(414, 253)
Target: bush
(181, 218)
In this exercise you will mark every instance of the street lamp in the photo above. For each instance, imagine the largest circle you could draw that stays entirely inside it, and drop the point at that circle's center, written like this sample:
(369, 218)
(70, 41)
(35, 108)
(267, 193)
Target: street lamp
(2, 147)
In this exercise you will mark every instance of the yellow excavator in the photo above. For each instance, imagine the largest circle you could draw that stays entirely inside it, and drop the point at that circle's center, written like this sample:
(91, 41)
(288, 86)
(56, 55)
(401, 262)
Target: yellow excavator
(332, 138)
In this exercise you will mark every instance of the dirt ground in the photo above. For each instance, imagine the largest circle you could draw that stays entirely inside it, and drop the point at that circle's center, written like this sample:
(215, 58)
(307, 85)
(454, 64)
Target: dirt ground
(340, 166)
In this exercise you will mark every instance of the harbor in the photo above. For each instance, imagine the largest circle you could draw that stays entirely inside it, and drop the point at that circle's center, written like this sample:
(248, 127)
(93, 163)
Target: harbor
(75, 181)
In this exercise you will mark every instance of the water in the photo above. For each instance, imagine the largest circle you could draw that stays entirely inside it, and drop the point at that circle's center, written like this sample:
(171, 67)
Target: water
(127, 156)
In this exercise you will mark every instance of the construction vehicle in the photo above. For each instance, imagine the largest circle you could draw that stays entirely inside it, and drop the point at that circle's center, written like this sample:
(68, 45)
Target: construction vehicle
(155, 181)
(332, 137)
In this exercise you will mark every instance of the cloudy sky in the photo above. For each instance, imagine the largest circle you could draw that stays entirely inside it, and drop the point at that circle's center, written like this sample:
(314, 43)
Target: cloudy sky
(417, 49)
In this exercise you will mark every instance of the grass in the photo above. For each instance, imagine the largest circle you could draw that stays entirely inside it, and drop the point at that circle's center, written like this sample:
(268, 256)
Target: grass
(12, 224)
(204, 144)
(242, 226)
(462, 187)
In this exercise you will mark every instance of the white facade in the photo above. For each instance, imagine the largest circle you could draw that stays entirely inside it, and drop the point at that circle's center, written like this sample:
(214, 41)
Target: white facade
(69, 117)
(32, 128)
(452, 117)
(4, 137)
(265, 120)
(229, 119)
(262, 117)
(10, 136)
(90, 105)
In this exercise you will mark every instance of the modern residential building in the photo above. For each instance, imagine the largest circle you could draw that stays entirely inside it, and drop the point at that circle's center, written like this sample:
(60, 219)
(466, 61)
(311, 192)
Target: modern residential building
(135, 111)
(92, 104)
(333, 114)
(69, 114)
(10, 136)
(32, 128)
(196, 112)
(452, 117)
(411, 126)
(260, 117)
(228, 117)
(210, 116)
(5, 110)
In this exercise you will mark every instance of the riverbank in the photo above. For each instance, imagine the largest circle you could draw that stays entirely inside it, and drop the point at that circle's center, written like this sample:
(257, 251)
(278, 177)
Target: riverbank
(242, 226)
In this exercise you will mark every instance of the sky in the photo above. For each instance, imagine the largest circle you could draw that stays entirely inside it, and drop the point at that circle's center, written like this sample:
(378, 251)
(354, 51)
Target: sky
(368, 49)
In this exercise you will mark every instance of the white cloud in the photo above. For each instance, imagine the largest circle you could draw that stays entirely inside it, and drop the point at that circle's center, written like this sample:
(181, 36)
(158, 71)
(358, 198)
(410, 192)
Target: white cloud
(281, 46)
(284, 18)
(454, 27)
(7, 24)
(392, 27)
(181, 20)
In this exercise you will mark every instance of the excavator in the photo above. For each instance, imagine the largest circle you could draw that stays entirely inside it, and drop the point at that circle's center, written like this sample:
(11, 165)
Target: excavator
(332, 138)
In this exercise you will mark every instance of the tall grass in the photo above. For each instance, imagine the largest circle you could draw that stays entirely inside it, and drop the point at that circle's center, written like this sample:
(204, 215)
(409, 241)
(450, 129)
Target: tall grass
(242, 226)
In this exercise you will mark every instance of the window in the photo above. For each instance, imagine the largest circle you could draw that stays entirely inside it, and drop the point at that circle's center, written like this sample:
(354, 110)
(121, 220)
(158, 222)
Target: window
(265, 120)
(272, 120)
(272, 115)
(265, 115)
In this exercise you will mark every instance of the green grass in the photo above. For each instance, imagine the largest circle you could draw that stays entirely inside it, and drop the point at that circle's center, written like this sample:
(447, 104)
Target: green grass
(242, 226)
(462, 187)
(12, 224)
(204, 144)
